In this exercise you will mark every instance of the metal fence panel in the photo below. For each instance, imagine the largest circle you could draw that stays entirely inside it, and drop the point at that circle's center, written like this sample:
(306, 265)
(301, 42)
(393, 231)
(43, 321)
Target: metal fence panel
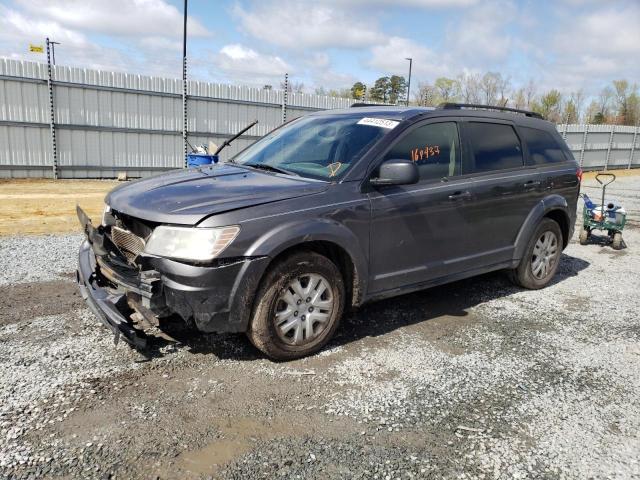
(107, 122)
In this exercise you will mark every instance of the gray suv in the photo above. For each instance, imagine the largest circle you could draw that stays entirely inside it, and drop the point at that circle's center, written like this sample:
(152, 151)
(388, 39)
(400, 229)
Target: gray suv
(328, 212)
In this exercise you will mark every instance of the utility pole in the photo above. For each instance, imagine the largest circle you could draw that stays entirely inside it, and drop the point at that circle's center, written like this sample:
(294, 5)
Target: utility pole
(52, 116)
(285, 98)
(184, 87)
(53, 51)
(409, 82)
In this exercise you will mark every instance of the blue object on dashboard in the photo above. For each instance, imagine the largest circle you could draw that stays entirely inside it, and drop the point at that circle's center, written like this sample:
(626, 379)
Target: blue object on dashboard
(199, 159)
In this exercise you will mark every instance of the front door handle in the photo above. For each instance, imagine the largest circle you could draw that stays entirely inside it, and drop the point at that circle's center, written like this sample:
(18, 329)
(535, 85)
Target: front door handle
(531, 184)
(460, 195)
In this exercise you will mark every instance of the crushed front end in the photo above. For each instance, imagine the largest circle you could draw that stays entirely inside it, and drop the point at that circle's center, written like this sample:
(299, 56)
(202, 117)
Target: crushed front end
(128, 289)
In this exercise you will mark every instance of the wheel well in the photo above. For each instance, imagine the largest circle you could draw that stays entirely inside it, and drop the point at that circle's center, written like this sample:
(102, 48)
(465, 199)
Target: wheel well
(338, 256)
(561, 219)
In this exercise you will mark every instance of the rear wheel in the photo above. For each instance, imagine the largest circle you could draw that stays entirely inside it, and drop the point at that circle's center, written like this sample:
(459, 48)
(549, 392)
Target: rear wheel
(541, 258)
(298, 306)
(617, 241)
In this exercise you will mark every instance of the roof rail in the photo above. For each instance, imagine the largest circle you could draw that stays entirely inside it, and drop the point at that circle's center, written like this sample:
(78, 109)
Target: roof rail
(361, 104)
(459, 106)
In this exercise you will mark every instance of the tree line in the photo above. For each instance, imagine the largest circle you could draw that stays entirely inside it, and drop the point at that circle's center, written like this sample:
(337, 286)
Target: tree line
(618, 103)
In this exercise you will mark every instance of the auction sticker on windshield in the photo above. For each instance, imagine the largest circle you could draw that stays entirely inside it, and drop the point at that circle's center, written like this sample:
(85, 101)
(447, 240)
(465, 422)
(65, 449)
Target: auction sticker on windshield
(378, 122)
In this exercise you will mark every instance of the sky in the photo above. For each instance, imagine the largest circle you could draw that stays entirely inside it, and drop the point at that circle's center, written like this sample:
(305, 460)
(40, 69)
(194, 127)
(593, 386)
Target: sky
(563, 44)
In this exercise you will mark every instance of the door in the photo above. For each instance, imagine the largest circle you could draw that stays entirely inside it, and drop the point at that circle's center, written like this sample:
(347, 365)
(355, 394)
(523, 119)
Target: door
(416, 229)
(504, 190)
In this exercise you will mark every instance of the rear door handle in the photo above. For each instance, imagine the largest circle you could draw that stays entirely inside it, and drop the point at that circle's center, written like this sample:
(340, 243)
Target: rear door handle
(531, 184)
(460, 195)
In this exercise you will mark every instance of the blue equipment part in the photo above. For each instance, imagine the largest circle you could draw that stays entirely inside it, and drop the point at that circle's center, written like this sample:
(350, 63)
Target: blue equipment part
(587, 202)
(199, 159)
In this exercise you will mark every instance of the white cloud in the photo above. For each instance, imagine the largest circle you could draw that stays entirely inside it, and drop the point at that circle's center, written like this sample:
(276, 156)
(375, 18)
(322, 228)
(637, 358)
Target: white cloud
(604, 32)
(411, 3)
(144, 36)
(134, 18)
(17, 31)
(390, 58)
(300, 25)
(242, 62)
(480, 37)
(590, 50)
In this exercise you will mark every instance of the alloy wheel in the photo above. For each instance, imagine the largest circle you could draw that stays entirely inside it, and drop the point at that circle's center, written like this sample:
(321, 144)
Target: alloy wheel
(545, 253)
(303, 309)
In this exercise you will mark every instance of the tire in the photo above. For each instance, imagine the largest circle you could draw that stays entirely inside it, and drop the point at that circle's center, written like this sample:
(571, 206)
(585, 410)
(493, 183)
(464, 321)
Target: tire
(530, 274)
(584, 236)
(280, 328)
(617, 241)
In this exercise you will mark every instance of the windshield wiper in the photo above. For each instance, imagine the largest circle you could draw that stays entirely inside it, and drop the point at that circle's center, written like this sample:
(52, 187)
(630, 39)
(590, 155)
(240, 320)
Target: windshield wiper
(270, 168)
(226, 143)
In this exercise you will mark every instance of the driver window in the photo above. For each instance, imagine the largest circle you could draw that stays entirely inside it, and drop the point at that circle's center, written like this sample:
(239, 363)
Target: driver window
(435, 149)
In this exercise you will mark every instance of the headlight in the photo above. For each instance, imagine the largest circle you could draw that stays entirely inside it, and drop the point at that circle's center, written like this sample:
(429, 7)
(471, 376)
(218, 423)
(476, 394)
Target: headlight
(190, 243)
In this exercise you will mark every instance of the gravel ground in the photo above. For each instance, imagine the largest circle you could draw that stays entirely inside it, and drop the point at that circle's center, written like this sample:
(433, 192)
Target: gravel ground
(37, 258)
(477, 379)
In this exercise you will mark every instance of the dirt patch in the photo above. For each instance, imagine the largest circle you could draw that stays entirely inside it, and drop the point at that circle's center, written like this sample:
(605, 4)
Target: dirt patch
(48, 206)
(474, 379)
(29, 300)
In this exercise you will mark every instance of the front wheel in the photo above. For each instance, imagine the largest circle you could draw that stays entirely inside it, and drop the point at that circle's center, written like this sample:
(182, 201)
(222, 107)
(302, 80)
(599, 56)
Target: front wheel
(298, 306)
(541, 258)
(584, 236)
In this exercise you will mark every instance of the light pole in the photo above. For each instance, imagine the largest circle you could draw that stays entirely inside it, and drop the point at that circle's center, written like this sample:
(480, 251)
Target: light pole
(53, 51)
(409, 82)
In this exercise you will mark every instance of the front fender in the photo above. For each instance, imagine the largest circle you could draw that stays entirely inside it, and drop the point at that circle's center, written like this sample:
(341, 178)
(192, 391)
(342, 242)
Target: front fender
(537, 213)
(291, 234)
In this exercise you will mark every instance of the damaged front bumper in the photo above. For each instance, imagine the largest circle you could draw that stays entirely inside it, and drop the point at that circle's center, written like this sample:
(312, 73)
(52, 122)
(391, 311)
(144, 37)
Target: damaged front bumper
(214, 298)
(105, 305)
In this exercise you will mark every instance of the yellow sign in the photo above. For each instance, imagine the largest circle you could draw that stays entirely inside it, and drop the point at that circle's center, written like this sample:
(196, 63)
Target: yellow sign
(36, 48)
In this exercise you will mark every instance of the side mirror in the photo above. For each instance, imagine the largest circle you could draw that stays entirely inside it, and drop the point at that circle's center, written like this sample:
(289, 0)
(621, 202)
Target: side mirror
(396, 172)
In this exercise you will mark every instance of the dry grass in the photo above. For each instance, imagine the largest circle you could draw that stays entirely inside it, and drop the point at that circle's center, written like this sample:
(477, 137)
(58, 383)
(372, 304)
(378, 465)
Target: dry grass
(36, 206)
(618, 173)
(39, 206)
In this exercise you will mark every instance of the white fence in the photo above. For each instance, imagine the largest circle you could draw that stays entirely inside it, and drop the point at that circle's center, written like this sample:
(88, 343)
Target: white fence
(105, 122)
(603, 146)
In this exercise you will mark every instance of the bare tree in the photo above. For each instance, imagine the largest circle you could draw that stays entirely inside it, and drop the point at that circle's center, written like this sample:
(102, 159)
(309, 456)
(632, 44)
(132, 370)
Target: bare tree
(293, 87)
(530, 92)
(503, 85)
(427, 95)
(592, 110)
(489, 87)
(577, 98)
(604, 102)
(622, 99)
(469, 87)
(519, 99)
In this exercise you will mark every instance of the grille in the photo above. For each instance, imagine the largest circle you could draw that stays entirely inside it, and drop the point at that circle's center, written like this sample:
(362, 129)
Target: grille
(130, 244)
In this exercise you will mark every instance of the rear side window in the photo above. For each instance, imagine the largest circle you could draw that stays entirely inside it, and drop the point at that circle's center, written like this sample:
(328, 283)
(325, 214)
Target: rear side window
(434, 148)
(493, 147)
(543, 147)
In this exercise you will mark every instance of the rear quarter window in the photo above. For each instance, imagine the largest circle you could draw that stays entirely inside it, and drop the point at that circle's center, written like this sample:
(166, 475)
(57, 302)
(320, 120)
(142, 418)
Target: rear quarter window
(543, 147)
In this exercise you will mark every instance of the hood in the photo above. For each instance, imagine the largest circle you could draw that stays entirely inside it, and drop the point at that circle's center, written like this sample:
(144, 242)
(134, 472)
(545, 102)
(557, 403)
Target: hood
(188, 196)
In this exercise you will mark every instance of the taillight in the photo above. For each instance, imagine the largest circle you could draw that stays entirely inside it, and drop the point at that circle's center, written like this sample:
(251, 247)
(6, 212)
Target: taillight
(579, 175)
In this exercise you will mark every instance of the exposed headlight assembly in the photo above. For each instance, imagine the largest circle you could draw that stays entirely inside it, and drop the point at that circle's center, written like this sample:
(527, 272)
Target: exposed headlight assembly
(106, 214)
(190, 243)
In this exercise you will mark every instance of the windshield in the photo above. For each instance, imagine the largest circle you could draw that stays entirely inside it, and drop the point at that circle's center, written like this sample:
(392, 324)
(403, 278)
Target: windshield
(322, 147)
